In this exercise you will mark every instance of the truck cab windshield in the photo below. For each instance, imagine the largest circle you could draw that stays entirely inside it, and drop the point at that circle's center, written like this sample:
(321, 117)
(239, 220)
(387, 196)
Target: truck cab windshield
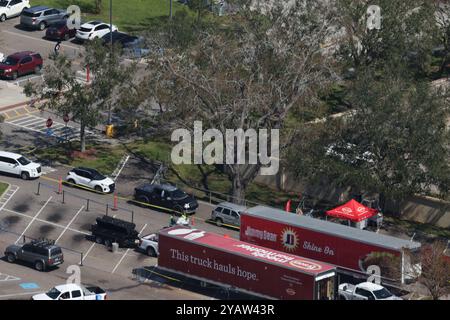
(382, 294)
(54, 293)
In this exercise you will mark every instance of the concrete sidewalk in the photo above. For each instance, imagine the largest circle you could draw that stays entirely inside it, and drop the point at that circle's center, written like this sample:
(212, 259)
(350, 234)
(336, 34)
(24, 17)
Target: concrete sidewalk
(11, 95)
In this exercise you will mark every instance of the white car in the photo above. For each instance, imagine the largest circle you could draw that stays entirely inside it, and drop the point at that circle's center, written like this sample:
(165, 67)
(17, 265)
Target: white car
(72, 291)
(16, 164)
(90, 178)
(92, 30)
(2, 57)
(149, 244)
(12, 8)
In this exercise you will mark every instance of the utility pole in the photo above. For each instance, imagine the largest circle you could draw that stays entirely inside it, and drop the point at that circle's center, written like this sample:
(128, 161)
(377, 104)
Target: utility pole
(111, 44)
(170, 14)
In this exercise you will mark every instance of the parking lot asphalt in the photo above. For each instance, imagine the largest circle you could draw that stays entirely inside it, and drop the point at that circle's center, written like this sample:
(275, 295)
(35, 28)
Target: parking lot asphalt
(24, 213)
(14, 38)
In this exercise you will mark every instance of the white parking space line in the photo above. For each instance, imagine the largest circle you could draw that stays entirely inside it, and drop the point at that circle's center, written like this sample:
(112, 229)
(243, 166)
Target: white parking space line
(34, 218)
(29, 123)
(119, 169)
(38, 124)
(40, 40)
(24, 120)
(7, 277)
(121, 259)
(47, 222)
(87, 253)
(15, 189)
(68, 225)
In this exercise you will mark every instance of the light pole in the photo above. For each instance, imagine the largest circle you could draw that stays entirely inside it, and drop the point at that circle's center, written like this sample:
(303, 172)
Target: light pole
(111, 44)
(170, 14)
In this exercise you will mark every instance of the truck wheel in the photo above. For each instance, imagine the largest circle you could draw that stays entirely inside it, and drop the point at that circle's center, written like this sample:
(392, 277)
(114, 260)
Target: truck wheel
(11, 257)
(151, 252)
(3, 18)
(142, 199)
(37, 70)
(25, 175)
(98, 240)
(39, 266)
(219, 222)
(108, 243)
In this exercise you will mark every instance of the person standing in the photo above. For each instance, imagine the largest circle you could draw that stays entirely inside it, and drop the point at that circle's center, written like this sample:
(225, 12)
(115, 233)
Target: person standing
(57, 48)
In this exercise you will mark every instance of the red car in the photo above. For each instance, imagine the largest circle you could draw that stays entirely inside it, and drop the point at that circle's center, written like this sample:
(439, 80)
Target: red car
(60, 31)
(21, 63)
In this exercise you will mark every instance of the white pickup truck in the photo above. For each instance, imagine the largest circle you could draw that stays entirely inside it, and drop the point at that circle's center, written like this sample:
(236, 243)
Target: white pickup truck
(365, 291)
(72, 291)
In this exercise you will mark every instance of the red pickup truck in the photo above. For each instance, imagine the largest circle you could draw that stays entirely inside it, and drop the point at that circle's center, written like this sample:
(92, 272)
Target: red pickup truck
(21, 63)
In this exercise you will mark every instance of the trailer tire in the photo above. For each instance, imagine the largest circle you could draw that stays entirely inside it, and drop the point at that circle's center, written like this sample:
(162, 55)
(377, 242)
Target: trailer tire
(98, 240)
(108, 243)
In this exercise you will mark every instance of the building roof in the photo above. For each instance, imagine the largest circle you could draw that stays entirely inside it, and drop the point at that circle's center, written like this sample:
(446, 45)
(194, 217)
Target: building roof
(331, 228)
(248, 250)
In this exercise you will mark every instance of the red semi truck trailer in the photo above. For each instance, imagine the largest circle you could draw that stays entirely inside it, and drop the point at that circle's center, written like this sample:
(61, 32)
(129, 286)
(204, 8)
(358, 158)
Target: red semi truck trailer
(245, 267)
(326, 241)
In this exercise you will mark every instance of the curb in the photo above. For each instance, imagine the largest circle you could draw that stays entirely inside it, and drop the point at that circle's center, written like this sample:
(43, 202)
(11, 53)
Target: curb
(22, 104)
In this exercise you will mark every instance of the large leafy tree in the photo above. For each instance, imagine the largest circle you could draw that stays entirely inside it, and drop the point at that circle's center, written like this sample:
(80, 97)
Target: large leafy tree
(248, 73)
(65, 94)
(407, 32)
(395, 142)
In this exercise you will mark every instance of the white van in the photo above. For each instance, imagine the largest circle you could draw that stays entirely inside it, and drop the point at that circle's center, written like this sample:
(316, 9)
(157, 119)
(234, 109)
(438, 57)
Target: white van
(13, 163)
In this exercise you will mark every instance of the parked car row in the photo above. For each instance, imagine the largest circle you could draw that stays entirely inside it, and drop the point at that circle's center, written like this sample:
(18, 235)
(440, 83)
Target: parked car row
(55, 21)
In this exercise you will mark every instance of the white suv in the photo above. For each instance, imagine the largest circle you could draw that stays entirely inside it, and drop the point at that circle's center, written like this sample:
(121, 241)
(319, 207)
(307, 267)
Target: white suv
(92, 30)
(12, 8)
(90, 178)
(13, 163)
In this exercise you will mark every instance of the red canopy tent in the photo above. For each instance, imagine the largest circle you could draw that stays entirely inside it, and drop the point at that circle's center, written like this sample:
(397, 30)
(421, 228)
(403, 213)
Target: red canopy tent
(353, 211)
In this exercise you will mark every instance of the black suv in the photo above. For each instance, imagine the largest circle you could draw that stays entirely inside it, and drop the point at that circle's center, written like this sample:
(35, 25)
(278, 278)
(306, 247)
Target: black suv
(41, 253)
(166, 197)
(108, 230)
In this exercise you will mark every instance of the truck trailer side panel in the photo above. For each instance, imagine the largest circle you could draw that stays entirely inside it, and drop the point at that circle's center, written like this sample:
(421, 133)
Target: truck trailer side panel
(307, 243)
(234, 269)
